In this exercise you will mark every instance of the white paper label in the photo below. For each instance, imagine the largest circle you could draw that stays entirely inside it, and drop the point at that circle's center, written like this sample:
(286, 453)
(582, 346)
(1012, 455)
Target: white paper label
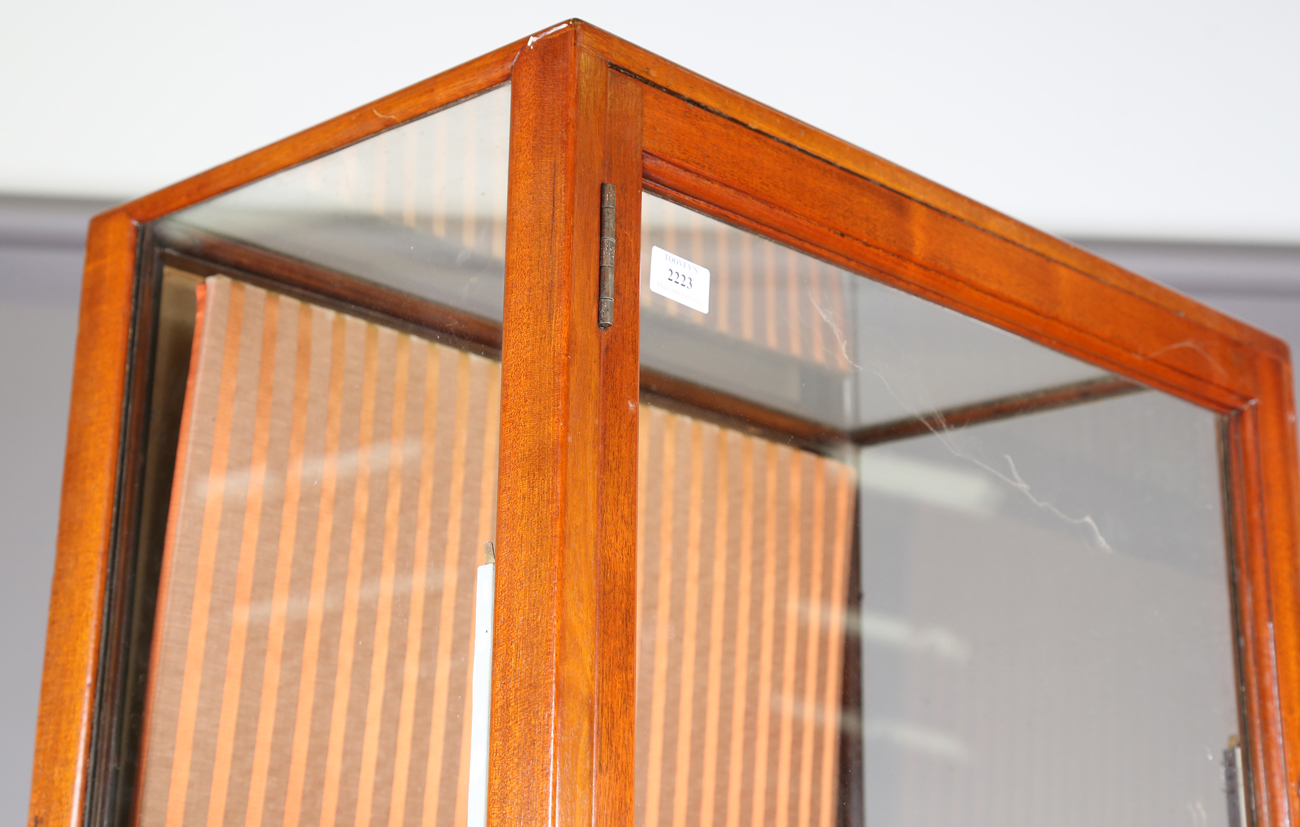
(676, 278)
(480, 711)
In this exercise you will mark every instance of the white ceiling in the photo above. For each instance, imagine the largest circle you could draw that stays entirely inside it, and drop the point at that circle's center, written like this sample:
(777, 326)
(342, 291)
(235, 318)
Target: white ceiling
(1131, 119)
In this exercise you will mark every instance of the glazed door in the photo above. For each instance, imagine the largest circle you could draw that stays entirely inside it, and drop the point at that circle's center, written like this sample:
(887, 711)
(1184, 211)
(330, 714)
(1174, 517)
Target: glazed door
(333, 486)
(818, 494)
(898, 565)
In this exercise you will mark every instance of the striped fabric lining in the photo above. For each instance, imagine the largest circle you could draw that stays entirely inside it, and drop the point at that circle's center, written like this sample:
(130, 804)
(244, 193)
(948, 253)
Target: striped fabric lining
(762, 293)
(335, 484)
(443, 175)
(742, 589)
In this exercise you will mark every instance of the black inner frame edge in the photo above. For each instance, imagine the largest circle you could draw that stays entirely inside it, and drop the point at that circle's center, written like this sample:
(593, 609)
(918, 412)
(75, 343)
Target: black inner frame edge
(115, 732)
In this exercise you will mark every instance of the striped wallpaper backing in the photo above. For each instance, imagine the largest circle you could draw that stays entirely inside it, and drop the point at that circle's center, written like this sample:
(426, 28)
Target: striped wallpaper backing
(761, 292)
(443, 176)
(742, 589)
(335, 483)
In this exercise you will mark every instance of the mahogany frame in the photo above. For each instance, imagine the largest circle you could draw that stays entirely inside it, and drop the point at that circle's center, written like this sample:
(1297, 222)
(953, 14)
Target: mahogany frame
(589, 108)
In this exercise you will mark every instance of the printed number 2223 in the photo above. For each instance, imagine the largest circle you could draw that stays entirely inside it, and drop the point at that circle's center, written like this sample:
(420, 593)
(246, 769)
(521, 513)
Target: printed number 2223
(680, 279)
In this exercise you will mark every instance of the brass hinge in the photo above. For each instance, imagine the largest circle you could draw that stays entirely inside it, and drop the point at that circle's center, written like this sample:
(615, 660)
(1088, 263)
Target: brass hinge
(605, 315)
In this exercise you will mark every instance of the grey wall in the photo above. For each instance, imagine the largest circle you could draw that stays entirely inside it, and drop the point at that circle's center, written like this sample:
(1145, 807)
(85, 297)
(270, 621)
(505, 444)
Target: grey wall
(1102, 523)
(41, 250)
(1158, 119)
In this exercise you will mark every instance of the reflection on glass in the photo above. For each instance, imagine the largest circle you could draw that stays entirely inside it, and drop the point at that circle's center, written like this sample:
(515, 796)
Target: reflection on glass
(805, 338)
(1045, 615)
(420, 208)
(335, 484)
(898, 567)
(333, 488)
(745, 563)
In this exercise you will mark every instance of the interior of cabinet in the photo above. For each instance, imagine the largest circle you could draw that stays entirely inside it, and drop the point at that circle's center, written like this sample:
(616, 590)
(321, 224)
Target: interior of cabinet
(303, 587)
(888, 552)
(877, 404)
(849, 495)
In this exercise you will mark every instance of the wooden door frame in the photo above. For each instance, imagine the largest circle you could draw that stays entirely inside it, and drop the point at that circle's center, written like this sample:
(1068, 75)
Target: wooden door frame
(563, 687)
(109, 386)
(563, 682)
(728, 170)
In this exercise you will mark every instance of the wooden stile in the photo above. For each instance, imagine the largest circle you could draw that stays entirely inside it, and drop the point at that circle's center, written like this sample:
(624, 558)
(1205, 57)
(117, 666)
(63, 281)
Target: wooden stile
(586, 108)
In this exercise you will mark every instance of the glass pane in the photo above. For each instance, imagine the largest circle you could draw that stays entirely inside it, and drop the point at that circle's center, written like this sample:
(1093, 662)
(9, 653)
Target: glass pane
(1045, 615)
(335, 484)
(332, 485)
(745, 552)
(899, 567)
(799, 336)
(420, 208)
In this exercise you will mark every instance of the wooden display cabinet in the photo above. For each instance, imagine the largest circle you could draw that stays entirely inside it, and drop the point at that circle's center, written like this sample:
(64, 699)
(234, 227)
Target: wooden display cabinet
(819, 493)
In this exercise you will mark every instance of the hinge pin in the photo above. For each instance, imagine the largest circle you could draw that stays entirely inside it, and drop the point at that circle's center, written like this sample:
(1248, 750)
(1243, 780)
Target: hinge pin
(605, 316)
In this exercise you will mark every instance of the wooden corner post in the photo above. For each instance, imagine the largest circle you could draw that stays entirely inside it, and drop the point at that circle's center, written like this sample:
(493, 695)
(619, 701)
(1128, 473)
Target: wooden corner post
(70, 680)
(1263, 494)
(565, 615)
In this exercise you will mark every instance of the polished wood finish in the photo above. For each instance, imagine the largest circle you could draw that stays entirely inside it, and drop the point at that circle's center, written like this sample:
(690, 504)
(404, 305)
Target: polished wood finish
(86, 522)
(1260, 475)
(205, 254)
(616, 562)
(938, 258)
(680, 395)
(992, 411)
(565, 615)
(110, 323)
(1023, 281)
(743, 111)
(414, 101)
(542, 768)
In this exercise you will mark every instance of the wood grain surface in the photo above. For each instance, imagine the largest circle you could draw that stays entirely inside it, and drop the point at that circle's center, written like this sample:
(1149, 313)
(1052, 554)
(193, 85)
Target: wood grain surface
(861, 226)
(541, 761)
(419, 99)
(206, 254)
(92, 469)
(86, 518)
(565, 621)
(1021, 281)
(618, 394)
(744, 111)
